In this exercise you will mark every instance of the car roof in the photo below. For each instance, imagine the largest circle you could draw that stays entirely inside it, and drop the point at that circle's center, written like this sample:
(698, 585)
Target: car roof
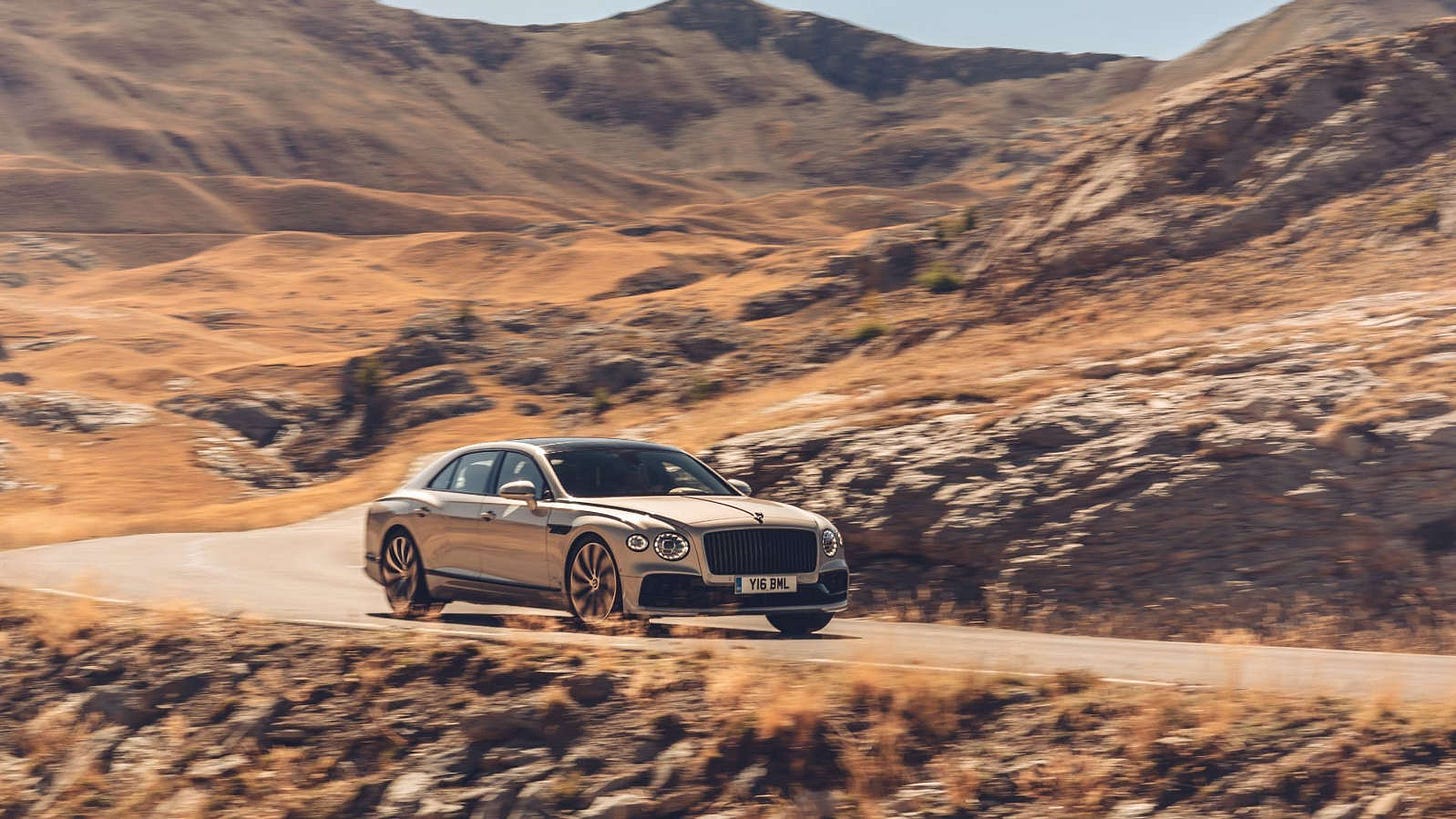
(567, 444)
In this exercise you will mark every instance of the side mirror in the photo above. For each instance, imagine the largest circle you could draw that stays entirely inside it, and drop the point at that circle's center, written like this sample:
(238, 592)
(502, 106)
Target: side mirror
(524, 491)
(741, 486)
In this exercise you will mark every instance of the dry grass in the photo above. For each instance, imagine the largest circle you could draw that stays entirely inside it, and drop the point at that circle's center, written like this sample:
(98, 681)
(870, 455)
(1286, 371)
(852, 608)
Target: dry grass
(1067, 745)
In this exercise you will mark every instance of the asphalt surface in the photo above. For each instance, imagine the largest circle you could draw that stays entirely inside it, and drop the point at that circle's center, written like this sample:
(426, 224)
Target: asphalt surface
(309, 573)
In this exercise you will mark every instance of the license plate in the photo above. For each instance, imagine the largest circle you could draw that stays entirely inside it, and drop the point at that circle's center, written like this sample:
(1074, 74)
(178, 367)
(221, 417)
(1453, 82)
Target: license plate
(766, 585)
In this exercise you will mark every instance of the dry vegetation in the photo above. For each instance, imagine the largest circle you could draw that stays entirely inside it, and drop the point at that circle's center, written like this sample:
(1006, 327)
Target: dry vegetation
(109, 712)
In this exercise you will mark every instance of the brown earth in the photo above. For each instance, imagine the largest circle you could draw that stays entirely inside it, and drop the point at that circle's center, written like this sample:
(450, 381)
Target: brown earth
(109, 712)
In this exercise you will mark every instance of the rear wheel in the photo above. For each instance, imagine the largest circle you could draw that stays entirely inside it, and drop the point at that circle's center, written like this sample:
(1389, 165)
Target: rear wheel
(800, 623)
(593, 586)
(404, 578)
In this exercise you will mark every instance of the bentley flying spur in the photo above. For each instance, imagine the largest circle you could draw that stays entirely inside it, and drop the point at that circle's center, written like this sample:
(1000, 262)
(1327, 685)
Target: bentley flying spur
(603, 529)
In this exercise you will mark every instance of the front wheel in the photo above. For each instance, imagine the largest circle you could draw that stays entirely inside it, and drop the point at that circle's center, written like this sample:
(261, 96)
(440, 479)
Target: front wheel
(404, 579)
(800, 623)
(594, 588)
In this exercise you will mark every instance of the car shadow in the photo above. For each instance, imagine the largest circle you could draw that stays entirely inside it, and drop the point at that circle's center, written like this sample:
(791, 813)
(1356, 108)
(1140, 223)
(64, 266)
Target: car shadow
(534, 622)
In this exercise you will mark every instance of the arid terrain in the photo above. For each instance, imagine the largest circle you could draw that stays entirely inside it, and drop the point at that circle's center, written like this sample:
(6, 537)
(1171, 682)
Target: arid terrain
(113, 712)
(1075, 342)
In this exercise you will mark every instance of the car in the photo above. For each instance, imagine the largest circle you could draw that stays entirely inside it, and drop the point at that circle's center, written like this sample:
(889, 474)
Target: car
(604, 529)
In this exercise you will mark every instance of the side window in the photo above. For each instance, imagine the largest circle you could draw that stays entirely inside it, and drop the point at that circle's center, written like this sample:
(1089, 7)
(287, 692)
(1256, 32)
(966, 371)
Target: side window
(518, 467)
(472, 476)
(446, 477)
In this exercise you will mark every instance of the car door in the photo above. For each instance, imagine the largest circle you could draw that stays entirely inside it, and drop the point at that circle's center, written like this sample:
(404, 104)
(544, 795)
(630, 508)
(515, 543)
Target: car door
(461, 491)
(512, 541)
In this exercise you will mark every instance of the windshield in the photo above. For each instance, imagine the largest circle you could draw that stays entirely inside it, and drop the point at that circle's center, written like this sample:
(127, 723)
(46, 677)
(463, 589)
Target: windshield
(607, 473)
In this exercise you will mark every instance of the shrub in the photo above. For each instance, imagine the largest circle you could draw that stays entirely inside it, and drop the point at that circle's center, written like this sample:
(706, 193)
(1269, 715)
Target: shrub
(869, 331)
(939, 278)
(702, 389)
(952, 226)
(1416, 213)
(601, 401)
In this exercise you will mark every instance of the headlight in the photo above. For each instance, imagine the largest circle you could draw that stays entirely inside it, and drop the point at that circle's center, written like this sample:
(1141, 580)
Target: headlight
(671, 546)
(637, 543)
(831, 541)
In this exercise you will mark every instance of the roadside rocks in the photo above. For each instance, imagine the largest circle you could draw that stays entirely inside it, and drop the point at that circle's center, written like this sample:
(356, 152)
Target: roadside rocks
(1211, 497)
(69, 412)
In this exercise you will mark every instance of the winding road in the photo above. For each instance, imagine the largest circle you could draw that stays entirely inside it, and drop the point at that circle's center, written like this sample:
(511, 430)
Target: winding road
(309, 573)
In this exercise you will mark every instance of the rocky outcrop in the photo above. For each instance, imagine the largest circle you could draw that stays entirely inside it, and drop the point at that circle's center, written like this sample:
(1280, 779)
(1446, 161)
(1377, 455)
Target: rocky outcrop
(257, 416)
(1218, 164)
(790, 300)
(1214, 495)
(239, 460)
(69, 412)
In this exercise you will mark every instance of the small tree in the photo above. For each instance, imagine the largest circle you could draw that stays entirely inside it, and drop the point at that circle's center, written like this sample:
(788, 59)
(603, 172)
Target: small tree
(969, 220)
(371, 391)
(466, 321)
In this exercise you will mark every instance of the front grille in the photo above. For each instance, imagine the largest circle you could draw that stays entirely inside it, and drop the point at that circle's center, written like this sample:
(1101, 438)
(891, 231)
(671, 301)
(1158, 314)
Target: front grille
(762, 551)
(682, 591)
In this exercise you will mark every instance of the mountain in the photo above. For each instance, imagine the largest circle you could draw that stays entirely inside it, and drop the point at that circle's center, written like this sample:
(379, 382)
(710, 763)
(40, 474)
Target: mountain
(1294, 25)
(681, 102)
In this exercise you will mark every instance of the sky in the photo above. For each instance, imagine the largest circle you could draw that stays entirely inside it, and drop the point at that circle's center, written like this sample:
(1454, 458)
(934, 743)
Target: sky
(1150, 28)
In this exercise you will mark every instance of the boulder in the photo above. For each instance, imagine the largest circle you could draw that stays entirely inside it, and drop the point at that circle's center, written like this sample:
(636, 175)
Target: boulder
(436, 382)
(612, 373)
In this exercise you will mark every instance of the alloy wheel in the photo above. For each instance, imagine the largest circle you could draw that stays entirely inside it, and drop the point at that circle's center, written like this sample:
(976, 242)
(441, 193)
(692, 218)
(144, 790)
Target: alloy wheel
(400, 567)
(594, 584)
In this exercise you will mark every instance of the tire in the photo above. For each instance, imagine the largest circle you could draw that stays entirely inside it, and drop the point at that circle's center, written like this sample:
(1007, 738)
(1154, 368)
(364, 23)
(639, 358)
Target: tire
(593, 584)
(403, 573)
(800, 623)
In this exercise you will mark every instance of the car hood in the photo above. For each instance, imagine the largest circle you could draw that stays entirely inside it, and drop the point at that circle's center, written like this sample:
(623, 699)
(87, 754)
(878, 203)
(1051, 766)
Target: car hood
(712, 511)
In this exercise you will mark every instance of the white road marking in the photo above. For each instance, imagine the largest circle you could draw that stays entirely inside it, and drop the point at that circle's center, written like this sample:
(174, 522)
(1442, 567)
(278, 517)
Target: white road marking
(1001, 671)
(61, 593)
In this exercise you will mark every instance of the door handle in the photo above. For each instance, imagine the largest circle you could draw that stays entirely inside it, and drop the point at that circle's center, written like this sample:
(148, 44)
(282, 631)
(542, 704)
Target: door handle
(423, 511)
(487, 516)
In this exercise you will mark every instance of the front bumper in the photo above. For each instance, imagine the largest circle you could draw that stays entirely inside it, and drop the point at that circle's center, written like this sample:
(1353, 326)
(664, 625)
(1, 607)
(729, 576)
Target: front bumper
(688, 595)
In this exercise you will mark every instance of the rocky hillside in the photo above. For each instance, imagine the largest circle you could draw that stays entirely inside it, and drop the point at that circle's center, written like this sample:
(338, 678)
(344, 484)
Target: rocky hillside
(649, 108)
(1220, 164)
(1295, 25)
(1219, 485)
(107, 712)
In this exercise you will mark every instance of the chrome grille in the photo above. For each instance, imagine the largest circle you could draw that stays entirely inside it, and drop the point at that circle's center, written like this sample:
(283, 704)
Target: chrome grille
(762, 551)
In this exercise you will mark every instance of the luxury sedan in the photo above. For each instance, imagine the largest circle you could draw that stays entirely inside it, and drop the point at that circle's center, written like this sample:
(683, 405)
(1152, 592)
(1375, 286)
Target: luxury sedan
(603, 529)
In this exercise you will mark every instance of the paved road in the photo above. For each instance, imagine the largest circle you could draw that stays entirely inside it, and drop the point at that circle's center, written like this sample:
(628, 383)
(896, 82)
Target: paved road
(309, 573)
